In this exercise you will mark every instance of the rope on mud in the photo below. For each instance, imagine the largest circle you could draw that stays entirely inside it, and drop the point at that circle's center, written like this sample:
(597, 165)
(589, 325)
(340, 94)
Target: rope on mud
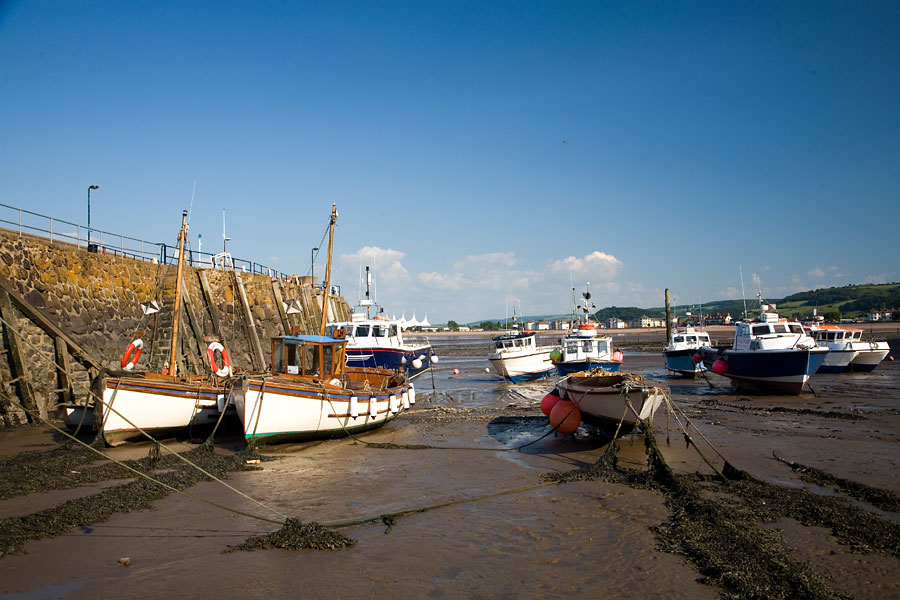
(152, 439)
(388, 518)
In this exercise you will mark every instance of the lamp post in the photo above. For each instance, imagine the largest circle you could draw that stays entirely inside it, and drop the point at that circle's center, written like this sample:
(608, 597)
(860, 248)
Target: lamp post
(90, 247)
(224, 239)
(312, 262)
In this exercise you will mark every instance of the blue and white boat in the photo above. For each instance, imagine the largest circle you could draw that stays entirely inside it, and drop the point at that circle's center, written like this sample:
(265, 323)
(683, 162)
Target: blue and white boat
(377, 342)
(769, 353)
(683, 345)
(584, 348)
(847, 350)
(518, 358)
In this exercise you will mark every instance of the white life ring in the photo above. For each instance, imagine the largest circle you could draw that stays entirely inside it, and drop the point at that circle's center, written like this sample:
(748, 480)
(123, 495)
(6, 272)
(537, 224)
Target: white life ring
(129, 360)
(225, 371)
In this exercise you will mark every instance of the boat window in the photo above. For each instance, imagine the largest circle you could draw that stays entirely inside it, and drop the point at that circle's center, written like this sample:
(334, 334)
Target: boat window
(499, 345)
(760, 329)
(327, 355)
(588, 346)
(679, 338)
(780, 328)
(704, 339)
(795, 328)
(829, 336)
(278, 358)
(602, 346)
(520, 343)
(362, 331)
(572, 347)
(310, 360)
(692, 338)
(338, 367)
(379, 330)
(393, 331)
(838, 335)
(857, 335)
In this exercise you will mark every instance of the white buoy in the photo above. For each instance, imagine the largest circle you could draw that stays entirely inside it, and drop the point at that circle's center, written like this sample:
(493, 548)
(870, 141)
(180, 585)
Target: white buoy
(412, 394)
(486, 370)
(434, 359)
(403, 360)
(354, 407)
(404, 397)
(394, 404)
(373, 407)
(416, 363)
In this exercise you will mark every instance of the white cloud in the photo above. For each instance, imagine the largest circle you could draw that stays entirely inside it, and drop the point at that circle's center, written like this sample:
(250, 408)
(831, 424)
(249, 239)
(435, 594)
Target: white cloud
(594, 266)
(880, 278)
(453, 281)
(387, 264)
(817, 273)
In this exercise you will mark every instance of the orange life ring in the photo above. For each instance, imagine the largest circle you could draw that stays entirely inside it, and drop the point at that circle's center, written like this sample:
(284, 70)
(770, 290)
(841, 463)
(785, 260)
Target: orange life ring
(129, 360)
(226, 360)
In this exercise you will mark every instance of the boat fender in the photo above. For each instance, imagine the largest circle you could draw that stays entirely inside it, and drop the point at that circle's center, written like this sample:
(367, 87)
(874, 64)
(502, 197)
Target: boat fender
(225, 371)
(404, 398)
(354, 407)
(720, 367)
(618, 356)
(565, 417)
(393, 404)
(373, 406)
(129, 360)
(403, 360)
(549, 401)
(434, 359)
(697, 358)
(412, 392)
(416, 363)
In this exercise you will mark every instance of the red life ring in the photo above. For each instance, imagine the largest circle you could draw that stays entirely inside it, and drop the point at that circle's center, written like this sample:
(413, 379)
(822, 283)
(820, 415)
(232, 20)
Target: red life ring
(225, 371)
(136, 347)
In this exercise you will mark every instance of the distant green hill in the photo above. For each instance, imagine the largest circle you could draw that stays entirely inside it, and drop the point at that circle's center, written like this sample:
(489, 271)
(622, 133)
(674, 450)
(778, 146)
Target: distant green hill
(850, 300)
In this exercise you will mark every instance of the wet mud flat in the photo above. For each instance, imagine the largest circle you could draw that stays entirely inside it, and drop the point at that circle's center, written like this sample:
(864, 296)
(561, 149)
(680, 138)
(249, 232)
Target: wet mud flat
(469, 494)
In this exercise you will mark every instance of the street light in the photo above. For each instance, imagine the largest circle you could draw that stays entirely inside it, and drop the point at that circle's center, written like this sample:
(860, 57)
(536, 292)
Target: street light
(224, 239)
(312, 262)
(91, 247)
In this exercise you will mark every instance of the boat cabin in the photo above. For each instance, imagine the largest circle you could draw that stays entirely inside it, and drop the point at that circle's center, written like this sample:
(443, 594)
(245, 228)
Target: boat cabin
(514, 341)
(830, 334)
(688, 338)
(317, 356)
(769, 334)
(371, 332)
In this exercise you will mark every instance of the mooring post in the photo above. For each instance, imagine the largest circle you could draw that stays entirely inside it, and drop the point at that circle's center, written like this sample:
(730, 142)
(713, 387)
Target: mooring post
(668, 319)
(63, 378)
(276, 291)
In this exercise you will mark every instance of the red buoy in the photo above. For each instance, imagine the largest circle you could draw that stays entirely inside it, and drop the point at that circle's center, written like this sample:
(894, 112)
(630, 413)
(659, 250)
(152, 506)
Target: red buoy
(565, 417)
(549, 401)
(720, 367)
(697, 358)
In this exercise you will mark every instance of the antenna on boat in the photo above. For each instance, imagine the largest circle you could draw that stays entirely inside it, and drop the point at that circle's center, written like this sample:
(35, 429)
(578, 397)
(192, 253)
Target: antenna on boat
(327, 286)
(742, 291)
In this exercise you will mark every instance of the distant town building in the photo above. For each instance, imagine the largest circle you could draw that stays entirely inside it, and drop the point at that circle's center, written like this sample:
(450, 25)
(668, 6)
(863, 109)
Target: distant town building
(614, 323)
(543, 326)
(646, 321)
(881, 314)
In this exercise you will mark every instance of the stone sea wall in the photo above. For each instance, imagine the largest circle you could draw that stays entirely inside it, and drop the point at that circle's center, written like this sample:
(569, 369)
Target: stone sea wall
(95, 299)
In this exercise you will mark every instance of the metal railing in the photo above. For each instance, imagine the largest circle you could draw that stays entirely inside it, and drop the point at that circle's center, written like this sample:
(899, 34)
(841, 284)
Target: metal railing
(32, 223)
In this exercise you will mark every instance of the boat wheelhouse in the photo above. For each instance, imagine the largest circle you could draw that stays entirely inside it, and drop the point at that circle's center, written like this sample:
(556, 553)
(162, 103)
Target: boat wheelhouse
(585, 348)
(683, 345)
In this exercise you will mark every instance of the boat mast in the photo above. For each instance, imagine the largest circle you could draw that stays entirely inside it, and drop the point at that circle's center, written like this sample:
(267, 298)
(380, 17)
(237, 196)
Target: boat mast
(177, 309)
(328, 267)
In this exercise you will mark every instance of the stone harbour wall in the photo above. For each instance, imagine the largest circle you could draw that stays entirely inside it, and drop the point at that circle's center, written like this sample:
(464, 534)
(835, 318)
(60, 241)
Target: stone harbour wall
(95, 299)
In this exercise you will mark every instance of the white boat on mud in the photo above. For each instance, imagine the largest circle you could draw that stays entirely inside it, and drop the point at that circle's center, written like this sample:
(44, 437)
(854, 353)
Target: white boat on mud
(310, 393)
(684, 343)
(518, 358)
(605, 399)
(848, 352)
(585, 348)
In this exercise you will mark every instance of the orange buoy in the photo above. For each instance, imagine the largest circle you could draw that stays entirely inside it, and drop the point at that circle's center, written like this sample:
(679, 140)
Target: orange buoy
(549, 401)
(720, 367)
(565, 417)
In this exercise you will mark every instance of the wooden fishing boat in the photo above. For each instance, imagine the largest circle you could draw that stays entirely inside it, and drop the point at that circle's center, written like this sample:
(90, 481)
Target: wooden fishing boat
(128, 403)
(604, 399)
(310, 393)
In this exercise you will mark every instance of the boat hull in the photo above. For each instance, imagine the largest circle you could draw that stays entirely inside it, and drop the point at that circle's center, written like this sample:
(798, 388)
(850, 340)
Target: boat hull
(280, 411)
(161, 408)
(837, 361)
(782, 371)
(868, 357)
(682, 362)
(523, 367)
(601, 399)
(395, 359)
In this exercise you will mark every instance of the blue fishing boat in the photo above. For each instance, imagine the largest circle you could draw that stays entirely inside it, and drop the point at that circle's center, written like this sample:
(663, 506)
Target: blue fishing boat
(683, 346)
(584, 347)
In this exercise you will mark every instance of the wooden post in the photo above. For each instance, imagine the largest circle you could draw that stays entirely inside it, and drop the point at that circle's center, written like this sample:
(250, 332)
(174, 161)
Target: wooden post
(327, 286)
(17, 365)
(257, 353)
(196, 325)
(176, 313)
(210, 306)
(276, 291)
(63, 379)
(668, 319)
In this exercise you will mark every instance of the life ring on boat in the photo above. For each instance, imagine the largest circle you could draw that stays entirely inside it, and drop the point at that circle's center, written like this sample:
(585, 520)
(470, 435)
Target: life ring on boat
(129, 359)
(226, 360)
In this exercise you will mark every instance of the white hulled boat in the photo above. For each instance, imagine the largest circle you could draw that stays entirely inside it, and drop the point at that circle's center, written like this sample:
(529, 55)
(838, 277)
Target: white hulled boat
(585, 348)
(684, 344)
(601, 398)
(847, 350)
(518, 358)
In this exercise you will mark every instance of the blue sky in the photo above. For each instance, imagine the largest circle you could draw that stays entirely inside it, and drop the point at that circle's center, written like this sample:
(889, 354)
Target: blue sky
(482, 155)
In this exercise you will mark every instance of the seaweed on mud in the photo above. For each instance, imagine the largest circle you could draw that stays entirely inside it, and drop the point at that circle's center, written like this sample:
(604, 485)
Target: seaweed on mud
(392, 446)
(825, 414)
(296, 535)
(137, 494)
(724, 537)
(884, 499)
(38, 471)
